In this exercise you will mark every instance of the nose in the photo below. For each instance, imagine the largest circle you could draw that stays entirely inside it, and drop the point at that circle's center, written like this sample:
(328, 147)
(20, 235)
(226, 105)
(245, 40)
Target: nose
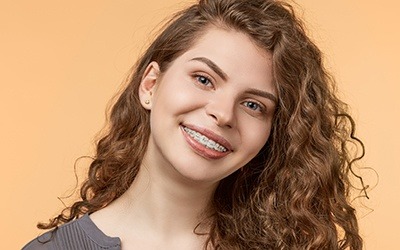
(222, 110)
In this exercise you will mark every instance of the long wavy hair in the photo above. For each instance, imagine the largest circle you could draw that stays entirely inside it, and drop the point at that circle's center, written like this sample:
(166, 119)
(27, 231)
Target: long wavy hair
(295, 193)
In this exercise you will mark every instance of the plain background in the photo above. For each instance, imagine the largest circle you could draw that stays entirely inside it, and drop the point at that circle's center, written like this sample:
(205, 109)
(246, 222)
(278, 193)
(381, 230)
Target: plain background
(62, 61)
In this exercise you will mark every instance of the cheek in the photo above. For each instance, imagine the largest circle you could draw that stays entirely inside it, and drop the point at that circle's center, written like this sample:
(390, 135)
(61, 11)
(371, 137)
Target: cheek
(177, 98)
(256, 137)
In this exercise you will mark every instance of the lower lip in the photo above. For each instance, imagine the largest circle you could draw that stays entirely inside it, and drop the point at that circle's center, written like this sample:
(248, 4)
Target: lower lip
(202, 150)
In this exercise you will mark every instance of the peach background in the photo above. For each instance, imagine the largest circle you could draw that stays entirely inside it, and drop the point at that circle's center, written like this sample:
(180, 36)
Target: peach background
(61, 62)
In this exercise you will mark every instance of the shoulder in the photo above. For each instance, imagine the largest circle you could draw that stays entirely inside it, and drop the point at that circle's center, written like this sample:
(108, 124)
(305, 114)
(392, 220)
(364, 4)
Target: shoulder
(77, 234)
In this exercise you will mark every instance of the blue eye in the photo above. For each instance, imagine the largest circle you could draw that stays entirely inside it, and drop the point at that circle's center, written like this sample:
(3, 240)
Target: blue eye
(253, 106)
(203, 80)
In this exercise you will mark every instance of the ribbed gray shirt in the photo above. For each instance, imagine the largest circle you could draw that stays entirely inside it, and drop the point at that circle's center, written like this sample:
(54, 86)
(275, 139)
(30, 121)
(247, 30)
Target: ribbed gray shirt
(77, 234)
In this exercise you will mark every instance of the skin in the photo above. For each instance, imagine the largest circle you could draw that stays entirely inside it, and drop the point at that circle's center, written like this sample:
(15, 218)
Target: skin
(223, 87)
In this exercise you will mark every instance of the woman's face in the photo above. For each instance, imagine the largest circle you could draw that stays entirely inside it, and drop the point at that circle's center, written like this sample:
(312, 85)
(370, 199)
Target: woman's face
(212, 109)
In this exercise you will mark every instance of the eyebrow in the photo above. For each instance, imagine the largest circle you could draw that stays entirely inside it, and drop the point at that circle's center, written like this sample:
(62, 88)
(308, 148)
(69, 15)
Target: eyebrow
(224, 76)
(262, 93)
(213, 66)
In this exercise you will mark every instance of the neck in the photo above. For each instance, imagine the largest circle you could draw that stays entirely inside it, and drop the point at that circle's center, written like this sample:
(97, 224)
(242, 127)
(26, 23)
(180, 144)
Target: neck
(160, 208)
(165, 206)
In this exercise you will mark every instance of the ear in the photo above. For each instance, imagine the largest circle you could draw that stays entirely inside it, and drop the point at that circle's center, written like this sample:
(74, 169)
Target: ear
(148, 84)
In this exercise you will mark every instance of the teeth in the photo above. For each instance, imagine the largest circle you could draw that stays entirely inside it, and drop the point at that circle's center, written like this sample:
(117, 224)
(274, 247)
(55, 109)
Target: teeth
(204, 140)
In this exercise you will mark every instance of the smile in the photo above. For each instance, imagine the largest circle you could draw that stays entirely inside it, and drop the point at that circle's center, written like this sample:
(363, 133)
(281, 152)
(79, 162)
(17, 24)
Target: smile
(204, 140)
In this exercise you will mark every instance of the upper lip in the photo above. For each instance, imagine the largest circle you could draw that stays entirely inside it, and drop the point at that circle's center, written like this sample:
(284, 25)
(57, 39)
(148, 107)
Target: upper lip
(211, 135)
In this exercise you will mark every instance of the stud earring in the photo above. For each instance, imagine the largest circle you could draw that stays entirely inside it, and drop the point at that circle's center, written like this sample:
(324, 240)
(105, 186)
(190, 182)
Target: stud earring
(147, 102)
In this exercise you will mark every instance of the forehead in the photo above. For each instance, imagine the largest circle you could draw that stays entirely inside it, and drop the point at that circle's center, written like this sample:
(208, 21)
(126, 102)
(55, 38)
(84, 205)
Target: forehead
(223, 41)
(235, 53)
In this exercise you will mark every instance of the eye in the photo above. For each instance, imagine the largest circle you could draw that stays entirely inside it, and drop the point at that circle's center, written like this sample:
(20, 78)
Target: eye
(254, 106)
(203, 80)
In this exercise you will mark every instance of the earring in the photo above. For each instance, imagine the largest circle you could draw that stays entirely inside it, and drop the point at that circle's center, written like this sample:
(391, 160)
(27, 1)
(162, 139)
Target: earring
(147, 102)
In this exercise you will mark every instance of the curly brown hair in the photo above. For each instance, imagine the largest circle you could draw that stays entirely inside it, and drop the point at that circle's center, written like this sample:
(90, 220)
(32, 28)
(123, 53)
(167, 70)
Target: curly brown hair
(295, 193)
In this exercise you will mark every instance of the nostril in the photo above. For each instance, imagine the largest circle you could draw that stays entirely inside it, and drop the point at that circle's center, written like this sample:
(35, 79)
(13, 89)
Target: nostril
(221, 121)
(222, 116)
(214, 116)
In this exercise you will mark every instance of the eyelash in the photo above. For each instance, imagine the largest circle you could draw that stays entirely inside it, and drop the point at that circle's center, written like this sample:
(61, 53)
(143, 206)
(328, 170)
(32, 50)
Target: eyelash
(198, 77)
(260, 108)
(201, 77)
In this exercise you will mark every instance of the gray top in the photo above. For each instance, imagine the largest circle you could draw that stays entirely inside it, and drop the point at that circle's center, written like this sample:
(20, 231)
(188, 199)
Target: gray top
(81, 233)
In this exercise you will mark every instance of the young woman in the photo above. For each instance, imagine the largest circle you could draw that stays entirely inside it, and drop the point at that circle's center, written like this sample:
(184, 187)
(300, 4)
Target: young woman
(228, 135)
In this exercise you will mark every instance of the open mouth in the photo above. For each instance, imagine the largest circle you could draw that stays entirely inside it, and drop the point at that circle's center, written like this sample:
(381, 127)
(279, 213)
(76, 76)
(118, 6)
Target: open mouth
(204, 140)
